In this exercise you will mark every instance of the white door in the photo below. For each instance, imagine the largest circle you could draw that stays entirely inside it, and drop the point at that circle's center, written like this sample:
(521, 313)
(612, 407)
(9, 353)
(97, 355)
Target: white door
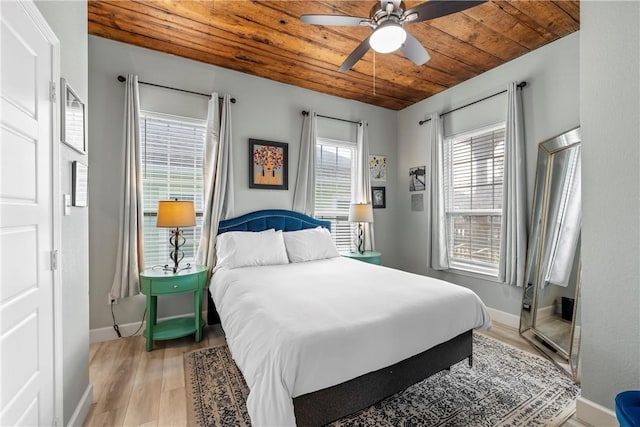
(26, 224)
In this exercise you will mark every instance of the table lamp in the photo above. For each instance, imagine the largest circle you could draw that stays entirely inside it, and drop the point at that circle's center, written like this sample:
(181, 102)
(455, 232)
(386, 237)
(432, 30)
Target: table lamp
(175, 214)
(360, 213)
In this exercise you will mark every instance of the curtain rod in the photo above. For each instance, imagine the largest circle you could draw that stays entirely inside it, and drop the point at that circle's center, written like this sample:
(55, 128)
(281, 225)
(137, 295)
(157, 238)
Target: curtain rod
(122, 79)
(306, 113)
(520, 86)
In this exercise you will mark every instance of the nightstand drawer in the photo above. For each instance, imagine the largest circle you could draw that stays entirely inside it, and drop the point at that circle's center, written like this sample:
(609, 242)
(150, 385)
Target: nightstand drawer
(171, 285)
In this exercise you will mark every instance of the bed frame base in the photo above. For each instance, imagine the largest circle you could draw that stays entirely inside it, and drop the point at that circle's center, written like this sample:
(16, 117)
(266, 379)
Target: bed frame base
(330, 404)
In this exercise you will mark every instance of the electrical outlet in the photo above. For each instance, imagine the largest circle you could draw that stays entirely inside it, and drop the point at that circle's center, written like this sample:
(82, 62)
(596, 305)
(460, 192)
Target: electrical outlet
(112, 300)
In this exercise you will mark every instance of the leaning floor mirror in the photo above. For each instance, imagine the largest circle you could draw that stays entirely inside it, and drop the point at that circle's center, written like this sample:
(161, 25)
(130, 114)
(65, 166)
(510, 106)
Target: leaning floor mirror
(550, 316)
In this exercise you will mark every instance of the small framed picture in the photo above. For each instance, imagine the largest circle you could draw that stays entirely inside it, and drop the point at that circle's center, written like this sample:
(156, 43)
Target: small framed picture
(73, 118)
(268, 165)
(378, 167)
(417, 202)
(417, 178)
(79, 180)
(378, 197)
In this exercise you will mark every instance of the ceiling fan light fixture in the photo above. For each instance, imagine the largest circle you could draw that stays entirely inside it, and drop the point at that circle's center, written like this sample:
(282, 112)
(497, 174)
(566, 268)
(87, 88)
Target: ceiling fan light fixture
(387, 38)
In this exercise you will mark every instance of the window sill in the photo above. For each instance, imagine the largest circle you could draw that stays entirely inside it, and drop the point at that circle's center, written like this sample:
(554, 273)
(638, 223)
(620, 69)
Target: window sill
(490, 277)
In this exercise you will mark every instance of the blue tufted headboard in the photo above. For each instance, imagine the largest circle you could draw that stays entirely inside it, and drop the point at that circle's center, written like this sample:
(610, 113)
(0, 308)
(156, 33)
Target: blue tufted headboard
(278, 219)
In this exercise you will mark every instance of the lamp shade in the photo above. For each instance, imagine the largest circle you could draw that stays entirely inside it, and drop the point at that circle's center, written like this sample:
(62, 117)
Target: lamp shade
(176, 213)
(361, 212)
(388, 37)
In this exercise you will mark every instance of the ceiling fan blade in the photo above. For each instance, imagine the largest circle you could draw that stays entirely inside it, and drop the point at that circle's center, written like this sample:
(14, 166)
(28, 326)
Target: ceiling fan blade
(346, 21)
(413, 50)
(355, 56)
(436, 8)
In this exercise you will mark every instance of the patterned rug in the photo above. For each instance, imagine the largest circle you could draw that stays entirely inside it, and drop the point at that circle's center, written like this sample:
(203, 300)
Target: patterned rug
(506, 387)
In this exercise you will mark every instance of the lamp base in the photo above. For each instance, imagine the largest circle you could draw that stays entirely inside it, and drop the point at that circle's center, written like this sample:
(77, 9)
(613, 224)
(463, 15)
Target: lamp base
(177, 241)
(360, 239)
(175, 269)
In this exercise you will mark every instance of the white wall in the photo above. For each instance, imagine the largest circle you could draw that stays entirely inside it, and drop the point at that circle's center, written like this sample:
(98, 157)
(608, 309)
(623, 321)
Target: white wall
(610, 116)
(550, 105)
(68, 19)
(265, 110)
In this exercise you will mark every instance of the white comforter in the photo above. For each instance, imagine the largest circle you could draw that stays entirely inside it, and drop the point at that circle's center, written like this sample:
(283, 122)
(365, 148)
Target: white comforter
(297, 328)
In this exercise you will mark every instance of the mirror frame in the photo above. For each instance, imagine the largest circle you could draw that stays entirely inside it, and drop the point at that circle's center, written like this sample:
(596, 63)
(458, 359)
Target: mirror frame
(567, 359)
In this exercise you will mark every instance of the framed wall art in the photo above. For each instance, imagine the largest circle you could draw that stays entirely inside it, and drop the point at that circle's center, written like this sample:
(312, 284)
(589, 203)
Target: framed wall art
(378, 167)
(268, 165)
(73, 118)
(417, 178)
(79, 184)
(378, 197)
(417, 202)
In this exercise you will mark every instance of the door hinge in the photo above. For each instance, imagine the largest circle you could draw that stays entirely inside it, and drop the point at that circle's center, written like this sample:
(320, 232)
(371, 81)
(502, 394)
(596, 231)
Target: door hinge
(54, 259)
(52, 91)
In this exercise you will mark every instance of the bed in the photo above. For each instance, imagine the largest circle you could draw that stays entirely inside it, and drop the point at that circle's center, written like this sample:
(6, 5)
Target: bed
(322, 339)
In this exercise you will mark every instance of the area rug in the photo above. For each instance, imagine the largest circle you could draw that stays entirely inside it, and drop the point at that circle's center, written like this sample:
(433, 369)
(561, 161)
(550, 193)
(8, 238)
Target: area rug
(506, 387)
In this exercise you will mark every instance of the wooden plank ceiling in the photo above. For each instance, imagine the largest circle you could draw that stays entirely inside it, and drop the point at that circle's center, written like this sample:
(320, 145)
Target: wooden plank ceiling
(266, 39)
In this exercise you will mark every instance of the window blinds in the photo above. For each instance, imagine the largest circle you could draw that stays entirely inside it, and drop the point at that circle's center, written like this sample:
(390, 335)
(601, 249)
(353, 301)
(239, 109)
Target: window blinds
(334, 186)
(473, 168)
(172, 165)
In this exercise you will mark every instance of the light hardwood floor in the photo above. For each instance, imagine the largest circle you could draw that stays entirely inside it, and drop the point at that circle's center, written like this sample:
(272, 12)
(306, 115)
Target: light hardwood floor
(132, 387)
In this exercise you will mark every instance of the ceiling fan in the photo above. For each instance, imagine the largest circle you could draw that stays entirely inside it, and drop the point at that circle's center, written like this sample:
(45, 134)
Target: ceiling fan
(387, 20)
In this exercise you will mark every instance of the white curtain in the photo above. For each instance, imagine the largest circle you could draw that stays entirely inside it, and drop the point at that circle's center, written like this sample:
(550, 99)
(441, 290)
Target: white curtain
(304, 195)
(439, 253)
(513, 246)
(130, 255)
(218, 178)
(362, 188)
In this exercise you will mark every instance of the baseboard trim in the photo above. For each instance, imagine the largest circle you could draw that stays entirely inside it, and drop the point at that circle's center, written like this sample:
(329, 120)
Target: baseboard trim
(128, 329)
(82, 410)
(594, 414)
(108, 334)
(504, 317)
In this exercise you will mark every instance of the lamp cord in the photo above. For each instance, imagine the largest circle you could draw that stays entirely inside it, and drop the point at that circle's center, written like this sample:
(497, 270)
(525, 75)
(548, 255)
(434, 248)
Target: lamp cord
(113, 316)
(117, 328)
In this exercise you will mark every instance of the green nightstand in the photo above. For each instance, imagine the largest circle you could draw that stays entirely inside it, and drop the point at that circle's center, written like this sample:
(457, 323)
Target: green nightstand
(158, 282)
(368, 256)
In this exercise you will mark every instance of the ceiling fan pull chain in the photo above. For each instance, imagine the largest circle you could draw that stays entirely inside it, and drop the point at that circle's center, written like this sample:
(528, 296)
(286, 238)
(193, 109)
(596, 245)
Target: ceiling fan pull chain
(374, 72)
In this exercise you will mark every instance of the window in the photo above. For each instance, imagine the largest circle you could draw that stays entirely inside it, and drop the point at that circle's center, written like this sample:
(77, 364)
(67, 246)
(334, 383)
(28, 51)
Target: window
(473, 169)
(335, 162)
(172, 155)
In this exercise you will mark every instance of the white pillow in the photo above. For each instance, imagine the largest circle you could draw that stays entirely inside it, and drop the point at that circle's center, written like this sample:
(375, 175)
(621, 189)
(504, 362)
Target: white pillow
(309, 244)
(236, 249)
